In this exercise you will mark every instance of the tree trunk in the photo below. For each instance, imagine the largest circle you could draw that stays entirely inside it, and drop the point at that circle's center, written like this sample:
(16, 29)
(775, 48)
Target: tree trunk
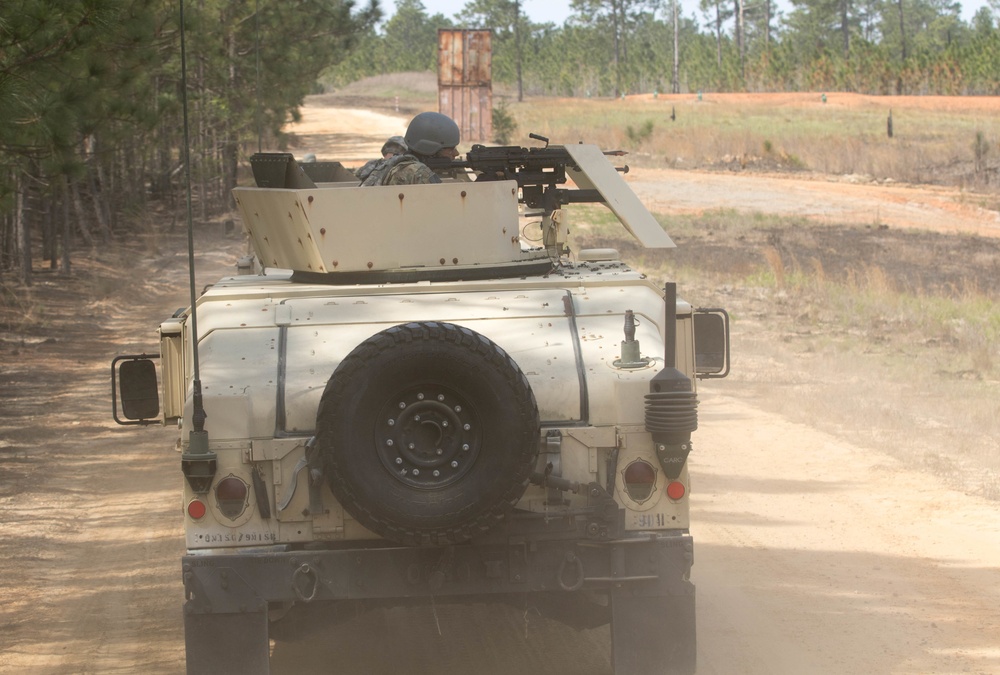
(845, 27)
(616, 30)
(740, 47)
(49, 231)
(902, 28)
(81, 218)
(67, 232)
(230, 154)
(95, 196)
(675, 83)
(23, 227)
(718, 37)
(767, 30)
(107, 192)
(902, 39)
(518, 48)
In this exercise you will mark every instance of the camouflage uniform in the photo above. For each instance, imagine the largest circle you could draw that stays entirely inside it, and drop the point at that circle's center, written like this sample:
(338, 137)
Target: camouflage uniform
(399, 170)
(396, 145)
(367, 169)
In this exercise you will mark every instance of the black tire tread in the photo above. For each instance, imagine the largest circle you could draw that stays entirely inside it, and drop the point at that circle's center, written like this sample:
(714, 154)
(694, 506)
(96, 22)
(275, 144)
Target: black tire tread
(356, 364)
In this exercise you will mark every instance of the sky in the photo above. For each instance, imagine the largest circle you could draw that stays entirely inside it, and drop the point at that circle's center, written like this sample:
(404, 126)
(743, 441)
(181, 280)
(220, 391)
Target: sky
(557, 11)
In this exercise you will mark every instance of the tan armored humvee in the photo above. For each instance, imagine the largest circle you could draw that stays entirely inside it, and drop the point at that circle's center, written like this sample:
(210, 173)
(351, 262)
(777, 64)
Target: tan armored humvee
(418, 391)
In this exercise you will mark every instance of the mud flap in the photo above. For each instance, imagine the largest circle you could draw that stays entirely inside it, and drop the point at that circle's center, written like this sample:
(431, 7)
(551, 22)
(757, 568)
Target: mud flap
(219, 644)
(651, 635)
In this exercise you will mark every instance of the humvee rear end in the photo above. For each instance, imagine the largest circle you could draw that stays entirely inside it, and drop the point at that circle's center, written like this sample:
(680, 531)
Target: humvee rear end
(411, 397)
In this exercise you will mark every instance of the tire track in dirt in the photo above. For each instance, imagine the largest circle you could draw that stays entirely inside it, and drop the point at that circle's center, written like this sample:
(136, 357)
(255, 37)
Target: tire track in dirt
(815, 556)
(92, 533)
(817, 199)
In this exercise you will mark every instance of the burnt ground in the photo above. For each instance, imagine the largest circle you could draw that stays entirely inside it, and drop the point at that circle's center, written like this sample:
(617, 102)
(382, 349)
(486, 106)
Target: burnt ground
(910, 261)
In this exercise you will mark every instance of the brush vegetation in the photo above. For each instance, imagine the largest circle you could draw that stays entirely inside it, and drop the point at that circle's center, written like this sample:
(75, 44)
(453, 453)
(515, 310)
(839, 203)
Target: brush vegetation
(847, 135)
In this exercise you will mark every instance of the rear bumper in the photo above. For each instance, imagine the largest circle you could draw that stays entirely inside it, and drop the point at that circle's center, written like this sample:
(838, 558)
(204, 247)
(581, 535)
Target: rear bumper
(653, 564)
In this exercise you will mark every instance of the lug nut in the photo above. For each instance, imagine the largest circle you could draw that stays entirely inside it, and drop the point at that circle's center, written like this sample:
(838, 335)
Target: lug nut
(440, 397)
(416, 472)
(411, 446)
(454, 464)
(444, 423)
(399, 460)
(401, 405)
(389, 442)
(466, 427)
(420, 397)
(458, 408)
(392, 422)
(436, 473)
(465, 447)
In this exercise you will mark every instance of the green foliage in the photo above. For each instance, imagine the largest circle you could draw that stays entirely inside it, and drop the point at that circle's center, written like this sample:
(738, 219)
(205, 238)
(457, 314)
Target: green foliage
(504, 124)
(90, 98)
(640, 134)
(980, 149)
(610, 47)
(408, 42)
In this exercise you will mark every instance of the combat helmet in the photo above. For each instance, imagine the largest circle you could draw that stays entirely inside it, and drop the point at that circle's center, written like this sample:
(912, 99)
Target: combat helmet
(428, 132)
(396, 145)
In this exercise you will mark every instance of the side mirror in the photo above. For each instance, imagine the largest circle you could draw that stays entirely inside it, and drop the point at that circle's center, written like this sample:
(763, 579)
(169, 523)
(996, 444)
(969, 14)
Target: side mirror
(711, 343)
(133, 381)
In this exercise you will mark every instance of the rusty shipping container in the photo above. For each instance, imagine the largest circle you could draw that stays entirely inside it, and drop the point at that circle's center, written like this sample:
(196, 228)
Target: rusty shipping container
(465, 81)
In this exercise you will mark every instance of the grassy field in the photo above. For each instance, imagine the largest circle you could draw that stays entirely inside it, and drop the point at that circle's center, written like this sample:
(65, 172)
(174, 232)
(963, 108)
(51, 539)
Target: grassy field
(932, 142)
(935, 139)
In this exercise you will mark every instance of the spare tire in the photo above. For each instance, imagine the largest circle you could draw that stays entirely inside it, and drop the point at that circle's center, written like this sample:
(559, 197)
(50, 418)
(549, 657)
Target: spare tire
(428, 433)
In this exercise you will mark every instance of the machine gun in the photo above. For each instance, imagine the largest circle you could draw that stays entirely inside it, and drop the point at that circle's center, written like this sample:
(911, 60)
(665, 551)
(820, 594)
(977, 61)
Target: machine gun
(537, 171)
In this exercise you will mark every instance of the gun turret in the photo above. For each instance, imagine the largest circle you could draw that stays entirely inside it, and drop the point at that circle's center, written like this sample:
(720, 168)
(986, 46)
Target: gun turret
(538, 172)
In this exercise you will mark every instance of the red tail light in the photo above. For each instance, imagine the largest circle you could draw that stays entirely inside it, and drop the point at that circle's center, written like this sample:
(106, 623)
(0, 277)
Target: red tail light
(196, 509)
(676, 490)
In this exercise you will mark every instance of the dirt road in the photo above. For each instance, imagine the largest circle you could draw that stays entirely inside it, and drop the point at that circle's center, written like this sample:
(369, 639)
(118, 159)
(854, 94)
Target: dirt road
(841, 562)
(812, 555)
(844, 200)
(839, 199)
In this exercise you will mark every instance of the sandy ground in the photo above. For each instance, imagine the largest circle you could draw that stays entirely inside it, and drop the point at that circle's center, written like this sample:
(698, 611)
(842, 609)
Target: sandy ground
(813, 555)
(901, 206)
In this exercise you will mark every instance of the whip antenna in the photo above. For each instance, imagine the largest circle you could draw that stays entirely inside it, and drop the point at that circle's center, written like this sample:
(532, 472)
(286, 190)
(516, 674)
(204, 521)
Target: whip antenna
(256, 48)
(198, 463)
